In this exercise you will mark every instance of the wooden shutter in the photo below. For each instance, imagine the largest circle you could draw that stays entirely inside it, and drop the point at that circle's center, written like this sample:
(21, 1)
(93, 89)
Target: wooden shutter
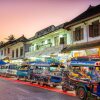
(74, 39)
(82, 35)
(90, 30)
(99, 28)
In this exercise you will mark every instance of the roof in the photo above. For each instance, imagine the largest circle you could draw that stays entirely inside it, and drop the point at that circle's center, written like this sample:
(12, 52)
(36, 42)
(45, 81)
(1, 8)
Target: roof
(91, 11)
(43, 32)
(21, 39)
(47, 30)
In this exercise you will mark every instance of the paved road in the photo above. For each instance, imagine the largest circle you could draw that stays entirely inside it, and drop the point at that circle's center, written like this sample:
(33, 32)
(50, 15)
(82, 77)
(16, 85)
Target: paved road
(15, 91)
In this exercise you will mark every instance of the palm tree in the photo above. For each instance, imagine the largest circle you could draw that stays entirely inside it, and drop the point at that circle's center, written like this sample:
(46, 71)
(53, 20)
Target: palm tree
(11, 38)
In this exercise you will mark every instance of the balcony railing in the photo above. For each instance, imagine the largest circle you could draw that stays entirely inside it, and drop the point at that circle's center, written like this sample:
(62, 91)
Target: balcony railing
(45, 51)
(45, 46)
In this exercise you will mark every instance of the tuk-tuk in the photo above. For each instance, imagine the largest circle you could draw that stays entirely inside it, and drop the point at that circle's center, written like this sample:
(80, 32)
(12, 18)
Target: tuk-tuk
(44, 74)
(87, 84)
(8, 70)
(23, 72)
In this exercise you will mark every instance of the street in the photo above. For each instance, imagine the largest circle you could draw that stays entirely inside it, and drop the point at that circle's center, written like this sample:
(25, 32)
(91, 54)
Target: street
(10, 90)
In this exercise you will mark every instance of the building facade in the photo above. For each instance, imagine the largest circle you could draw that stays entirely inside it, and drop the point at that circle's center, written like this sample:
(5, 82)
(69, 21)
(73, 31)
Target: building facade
(85, 33)
(14, 50)
(78, 37)
(48, 42)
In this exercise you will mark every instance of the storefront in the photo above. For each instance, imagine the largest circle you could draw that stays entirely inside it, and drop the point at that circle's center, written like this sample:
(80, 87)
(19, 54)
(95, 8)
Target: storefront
(84, 49)
(86, 52)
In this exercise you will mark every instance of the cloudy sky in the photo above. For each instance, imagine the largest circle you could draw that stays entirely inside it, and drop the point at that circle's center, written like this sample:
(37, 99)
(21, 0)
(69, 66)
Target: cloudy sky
(26, 17)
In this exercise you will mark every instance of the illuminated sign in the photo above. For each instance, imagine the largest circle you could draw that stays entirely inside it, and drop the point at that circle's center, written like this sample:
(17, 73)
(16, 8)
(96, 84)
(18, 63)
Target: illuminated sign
(94, 51)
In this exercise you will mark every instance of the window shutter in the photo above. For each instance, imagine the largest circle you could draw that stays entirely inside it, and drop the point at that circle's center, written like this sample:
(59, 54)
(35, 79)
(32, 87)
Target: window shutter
(82, 35)
(90, 30)
(99, 28)
(74, 36)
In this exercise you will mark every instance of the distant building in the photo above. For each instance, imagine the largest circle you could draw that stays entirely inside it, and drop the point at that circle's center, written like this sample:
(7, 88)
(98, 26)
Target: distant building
(14, 50)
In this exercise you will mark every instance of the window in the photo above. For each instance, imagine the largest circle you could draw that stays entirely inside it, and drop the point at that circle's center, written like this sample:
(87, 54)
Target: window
(32, 48)
(1, 52)
(21, 51)
(4, 51)
(78, 34)
(65, 38)
(56, 41)
(8, 50)
(49, 41)
(62, 40)
(37, 47)
(43, 42)
(94, 29)
(16, 52)
(12, 53)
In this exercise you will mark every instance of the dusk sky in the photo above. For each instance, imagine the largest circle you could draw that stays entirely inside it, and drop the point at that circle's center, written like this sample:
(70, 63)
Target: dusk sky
(26, 17)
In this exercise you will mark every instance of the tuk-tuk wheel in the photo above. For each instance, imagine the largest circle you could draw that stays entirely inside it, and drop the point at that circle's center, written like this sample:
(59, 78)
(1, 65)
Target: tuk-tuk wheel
(38, 83)
(6, 75)
(26, 78)
(41, 84)
(82, 94)
(31, 81)
(17, 77)
(64, 89)
(54, 85)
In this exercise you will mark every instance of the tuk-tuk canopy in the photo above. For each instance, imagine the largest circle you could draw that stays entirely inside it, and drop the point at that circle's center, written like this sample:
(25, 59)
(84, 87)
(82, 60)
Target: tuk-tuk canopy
(39, 64)
(44, 64)
(85, 61)
(2, 62)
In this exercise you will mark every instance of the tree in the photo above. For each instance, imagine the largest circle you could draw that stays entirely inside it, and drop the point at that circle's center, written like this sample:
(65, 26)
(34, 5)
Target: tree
(11, 38)
(1, 43)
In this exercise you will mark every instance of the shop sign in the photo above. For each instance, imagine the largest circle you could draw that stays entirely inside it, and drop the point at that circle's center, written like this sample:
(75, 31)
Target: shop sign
(79, 53)
(94, 51)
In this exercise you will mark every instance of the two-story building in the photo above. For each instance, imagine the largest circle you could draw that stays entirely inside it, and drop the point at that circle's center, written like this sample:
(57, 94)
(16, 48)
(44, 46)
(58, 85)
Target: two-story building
(85, 33)
(14, 50)
(48, 42)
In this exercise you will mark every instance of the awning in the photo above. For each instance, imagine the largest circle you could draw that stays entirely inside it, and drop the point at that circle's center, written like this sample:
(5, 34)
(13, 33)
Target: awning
(41, 64)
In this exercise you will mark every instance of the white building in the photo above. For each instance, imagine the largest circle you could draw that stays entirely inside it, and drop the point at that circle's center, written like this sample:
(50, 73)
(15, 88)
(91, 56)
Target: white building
(14, 51)
(85, 32)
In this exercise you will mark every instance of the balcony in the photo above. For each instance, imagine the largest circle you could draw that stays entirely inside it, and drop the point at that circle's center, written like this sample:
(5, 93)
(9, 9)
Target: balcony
(42, 47)
(45, 50)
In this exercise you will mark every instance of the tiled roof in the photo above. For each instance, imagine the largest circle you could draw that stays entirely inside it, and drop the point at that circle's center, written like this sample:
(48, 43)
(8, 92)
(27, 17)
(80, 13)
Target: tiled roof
(43, 32)
(47, 30)
(21, 39)
(91, 11)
